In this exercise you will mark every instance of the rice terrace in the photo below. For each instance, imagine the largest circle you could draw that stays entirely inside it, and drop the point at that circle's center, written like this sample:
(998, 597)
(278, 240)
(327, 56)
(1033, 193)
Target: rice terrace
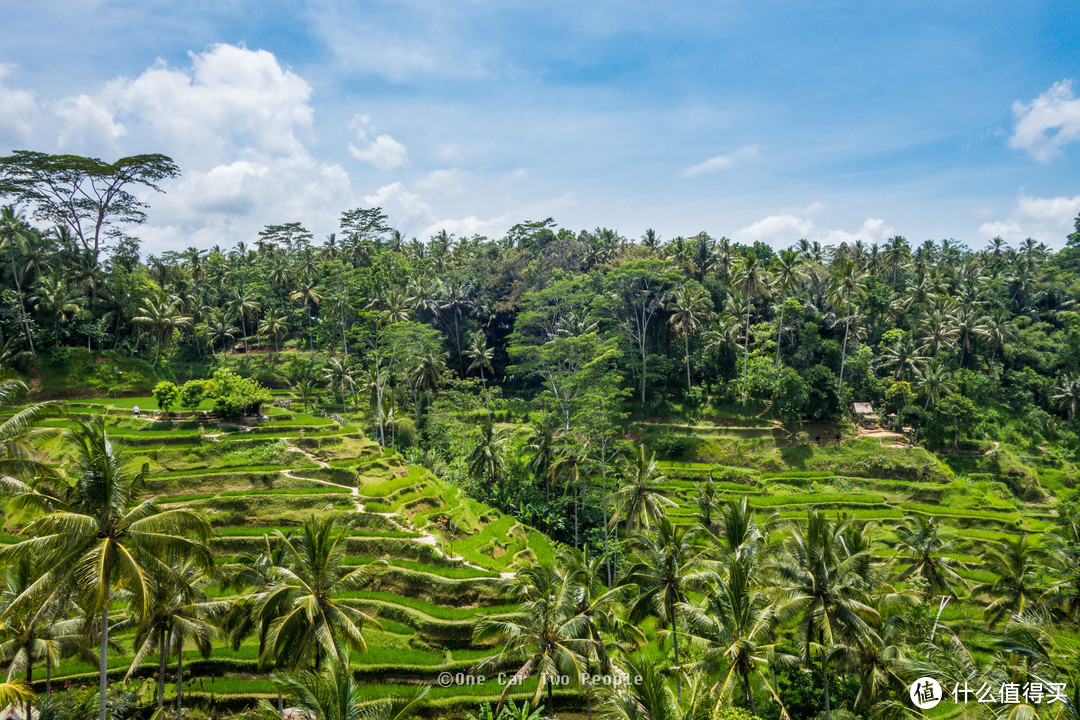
(400, 361)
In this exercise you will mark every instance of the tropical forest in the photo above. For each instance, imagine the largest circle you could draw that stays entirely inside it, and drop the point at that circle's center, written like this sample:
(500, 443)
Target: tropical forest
(558, 473)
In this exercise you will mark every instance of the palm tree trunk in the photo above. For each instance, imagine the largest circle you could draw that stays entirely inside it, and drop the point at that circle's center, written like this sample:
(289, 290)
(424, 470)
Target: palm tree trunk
(825, 676)
(675, 640)
(180, 678)
(163, 667)
(686, 347)
(29, 678)
(749, 695)
(746, 358)
(103, 659)
(843, 353)
(780, 330)
(22, 308)
(550, 702)
(48, 674)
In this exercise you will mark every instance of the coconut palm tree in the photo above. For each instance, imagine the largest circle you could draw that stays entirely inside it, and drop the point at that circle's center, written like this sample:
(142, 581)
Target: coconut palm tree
(163, 316)
(244, 305)
(20, 432)
(689, 308)
(486, 462)
(549, 636)
(338, 374)
(179, 610)
(787, 273)
(31, 635)
(669, 563)
(639, 502)
(334, 694)
(731, 629)
(1067, 396)
(14, 232)
(933, 382)
(309, 299)
(1017, 562)
(813, 579)
(649, 697)
(275, 324)
(920, 540)
(305, 597)
(848, 284)
(54, 296)
(750, 279)
(99, 542)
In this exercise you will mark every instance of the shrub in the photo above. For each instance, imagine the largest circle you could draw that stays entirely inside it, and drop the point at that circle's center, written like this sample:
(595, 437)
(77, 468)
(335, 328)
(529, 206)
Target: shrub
(166, 393)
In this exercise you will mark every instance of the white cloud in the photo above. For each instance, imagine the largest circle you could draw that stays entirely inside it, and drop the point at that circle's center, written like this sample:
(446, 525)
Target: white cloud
(19, 111)
(87, 125)
(720, 162)
(1048, 123)
(1048, 220)
(384, 152)
(402, 205)
(781, 230)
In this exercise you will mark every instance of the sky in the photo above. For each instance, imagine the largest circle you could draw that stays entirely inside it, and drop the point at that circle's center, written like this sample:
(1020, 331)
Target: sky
(831, 121)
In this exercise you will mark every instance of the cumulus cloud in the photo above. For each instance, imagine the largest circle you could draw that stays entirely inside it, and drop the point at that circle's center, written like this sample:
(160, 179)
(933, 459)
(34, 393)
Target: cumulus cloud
(720, 162)
(19, 111)
(1048, 123)
(384, 152)
(86, 122)
(783, 229)
(1048, 220)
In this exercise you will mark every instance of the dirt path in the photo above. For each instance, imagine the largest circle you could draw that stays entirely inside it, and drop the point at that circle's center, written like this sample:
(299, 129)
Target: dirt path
(396, 519)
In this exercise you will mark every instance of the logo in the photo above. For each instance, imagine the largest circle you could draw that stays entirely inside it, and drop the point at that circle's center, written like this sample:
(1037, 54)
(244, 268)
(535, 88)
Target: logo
(925, 693)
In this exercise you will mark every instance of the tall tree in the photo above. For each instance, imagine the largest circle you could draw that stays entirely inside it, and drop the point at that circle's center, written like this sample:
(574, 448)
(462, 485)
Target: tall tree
(689, 308)
(93, 198)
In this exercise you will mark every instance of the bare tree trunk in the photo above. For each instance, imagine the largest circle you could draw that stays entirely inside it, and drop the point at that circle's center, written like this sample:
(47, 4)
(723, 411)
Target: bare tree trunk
(179, 678)
(675, 639)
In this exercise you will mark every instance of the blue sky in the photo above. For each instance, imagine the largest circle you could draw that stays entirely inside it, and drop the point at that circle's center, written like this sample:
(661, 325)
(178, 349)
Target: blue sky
(826, 120)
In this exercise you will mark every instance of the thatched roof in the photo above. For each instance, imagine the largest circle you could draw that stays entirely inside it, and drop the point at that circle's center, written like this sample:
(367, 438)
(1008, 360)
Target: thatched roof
(864, 409)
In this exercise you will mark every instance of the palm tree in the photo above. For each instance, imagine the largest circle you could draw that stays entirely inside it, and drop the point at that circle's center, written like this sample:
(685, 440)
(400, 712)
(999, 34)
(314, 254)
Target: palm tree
(542, 444)
(997, 331)
(732, 627)
(309, 299)
(99, 539)
(669, 563)
(305, 596)
(813, 579)
(548, 637)
(220, 327)
(486, 463)
(1067, 397)
(163, 316)
(920, 539)
(640, 501)
(274, 324)
(56, 297)
(30, 635)
(338, 374)
(15, 232)
(848, 283)
(787, 272)
(244, 305)
(481, 356)
(334, 694)
(179, 609)
(902, 355)
(749, 279)
(934, 382)
(307, 390)
(21, 432)
(1017, 563)
(689, 307)
(650, 698)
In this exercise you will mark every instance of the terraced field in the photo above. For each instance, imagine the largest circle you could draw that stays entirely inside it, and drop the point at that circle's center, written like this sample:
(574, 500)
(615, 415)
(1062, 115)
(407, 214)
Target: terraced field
(873, 479)
(249, 482)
